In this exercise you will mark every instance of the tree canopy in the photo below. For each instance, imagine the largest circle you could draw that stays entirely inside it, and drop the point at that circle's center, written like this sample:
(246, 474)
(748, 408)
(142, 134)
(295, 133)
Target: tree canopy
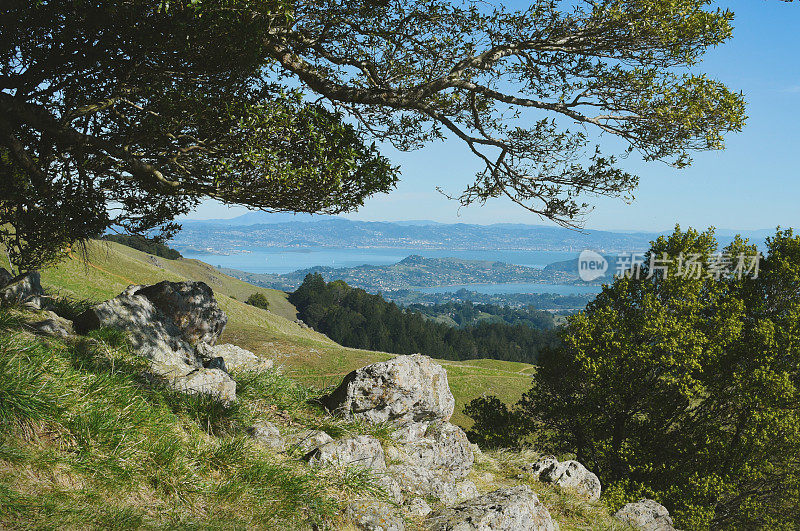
(682, 388)
(131, 112)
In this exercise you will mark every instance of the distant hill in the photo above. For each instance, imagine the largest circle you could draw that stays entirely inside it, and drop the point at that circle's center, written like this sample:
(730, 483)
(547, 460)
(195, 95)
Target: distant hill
(242, 233)
(414, 271)
(261, 230)
(256, 218)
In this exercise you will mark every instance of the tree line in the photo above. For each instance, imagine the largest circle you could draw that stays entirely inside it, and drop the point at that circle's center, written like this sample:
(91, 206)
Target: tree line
(465, 313)
(354, 318)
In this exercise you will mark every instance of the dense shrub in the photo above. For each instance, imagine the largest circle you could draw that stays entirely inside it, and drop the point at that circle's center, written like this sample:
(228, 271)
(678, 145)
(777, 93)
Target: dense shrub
(259, 300)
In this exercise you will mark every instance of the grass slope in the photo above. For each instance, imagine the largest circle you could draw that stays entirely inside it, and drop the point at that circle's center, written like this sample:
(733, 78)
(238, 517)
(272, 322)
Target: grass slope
(107, 268)
(87, 441)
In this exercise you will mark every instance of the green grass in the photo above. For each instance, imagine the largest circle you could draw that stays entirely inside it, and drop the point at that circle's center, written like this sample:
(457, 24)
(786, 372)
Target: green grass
(87, 441)
(308, 356)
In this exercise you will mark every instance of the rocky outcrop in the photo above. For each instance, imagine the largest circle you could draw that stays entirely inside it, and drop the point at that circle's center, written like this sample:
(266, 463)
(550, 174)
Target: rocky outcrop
(568, 475)
(430, 456)
(372, 515)
(438, 446)
(172, 324)
(151, 333)
(419, 481)
(266, 434)
(647, 515)
(306, 441)
(362, 451)
(191, 306)
(53, 325)
(509, 509)
(418, 507)
(21, 288)
(213, 382)
(403, 389)
(239, 359)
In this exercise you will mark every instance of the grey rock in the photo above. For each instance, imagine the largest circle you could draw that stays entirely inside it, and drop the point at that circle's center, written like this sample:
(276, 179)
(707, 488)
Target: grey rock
(53, 325)
(371, 515)
(267, 434)
(213, 382)
(191, 306)
(392, 488)
(509, 509)
(403, 389)
(443, 446)
(415, 480)
(647, 515)
(466, 490)
(152, 334)
(21, 288)
(309, 440)
(39, 302)
(568, 475)
(362, 451)
(543, 463)
(239, 359)
(408, 432)
(419, 507)
(420, 481)
(132, 289)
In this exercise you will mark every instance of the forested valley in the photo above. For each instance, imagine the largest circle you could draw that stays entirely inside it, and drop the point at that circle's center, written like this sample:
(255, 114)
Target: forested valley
(355, 318)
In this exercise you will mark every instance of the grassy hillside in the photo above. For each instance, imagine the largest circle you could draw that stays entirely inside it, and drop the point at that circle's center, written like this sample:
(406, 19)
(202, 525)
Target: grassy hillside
(107, 268)
(88, 442)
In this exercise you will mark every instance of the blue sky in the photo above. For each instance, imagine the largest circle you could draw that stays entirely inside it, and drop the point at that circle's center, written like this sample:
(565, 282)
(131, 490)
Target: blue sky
(753, 184)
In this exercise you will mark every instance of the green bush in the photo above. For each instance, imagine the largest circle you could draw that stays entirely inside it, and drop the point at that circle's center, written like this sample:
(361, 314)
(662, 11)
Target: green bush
(259, 300)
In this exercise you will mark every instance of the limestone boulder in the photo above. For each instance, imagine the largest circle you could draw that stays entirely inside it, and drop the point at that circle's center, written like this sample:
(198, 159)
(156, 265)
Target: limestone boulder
(372, 515)
(420, 481)
(403, 389)
(508, 509)
(191, 306)
(647, 515)
(21, 288)
(53, 325)
(361, 451)
(309, 440)
(152, 335)
(441, 446)
(267, 434)
(568, 475)
(213, 382)
(418, 507)
(239, 359)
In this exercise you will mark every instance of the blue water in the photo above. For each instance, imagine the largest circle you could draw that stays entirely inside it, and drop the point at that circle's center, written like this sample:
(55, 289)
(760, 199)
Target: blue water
(285, 260)
(495, 289)
(280, 260)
